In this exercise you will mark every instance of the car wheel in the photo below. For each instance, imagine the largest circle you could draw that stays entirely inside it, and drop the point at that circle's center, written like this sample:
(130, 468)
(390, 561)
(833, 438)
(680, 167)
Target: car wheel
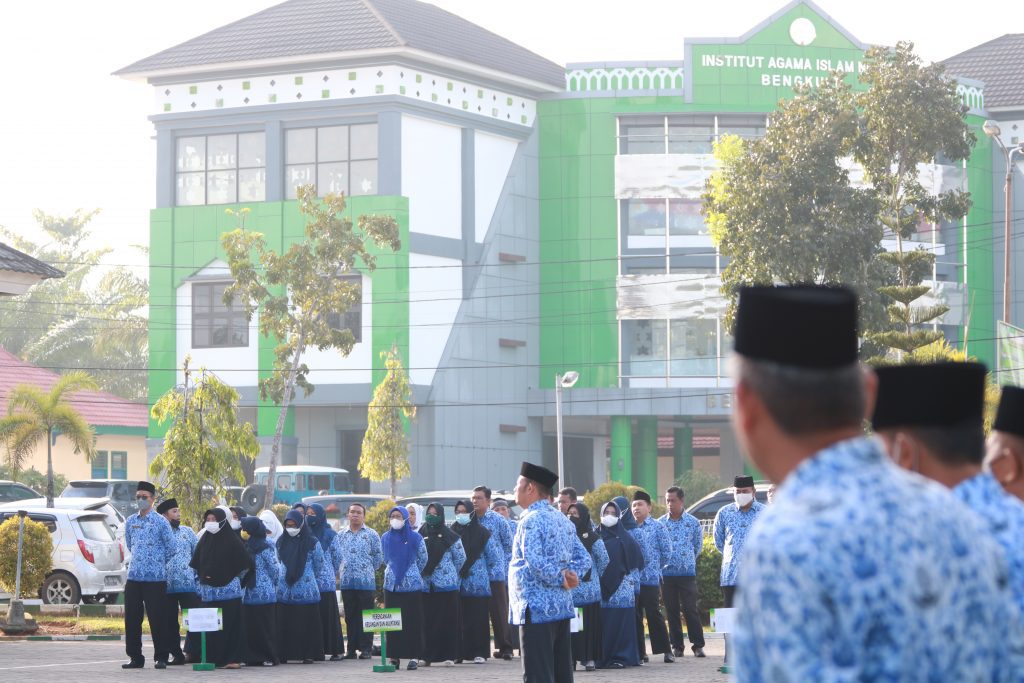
(60, 589)
(252, 498)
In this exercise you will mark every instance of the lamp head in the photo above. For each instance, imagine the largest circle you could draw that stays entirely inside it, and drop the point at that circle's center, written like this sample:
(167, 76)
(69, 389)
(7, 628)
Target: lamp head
(991, 128)
(569, 379)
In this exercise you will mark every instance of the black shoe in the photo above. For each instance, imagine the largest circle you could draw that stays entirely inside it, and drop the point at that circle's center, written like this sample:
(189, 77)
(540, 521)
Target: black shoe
(616, 665)
(698, 651)
(134, 664)
(351, 655)
(176, 661)
(307, 661)
(365, 655)
(678, 652)
(669, 658)
(160, 665)
(645, 660)
(507, 656)
(335, 658)
(412, 665)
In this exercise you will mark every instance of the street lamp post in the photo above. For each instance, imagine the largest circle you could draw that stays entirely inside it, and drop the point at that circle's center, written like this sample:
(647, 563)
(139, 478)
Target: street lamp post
(565, 381)
(992, 130)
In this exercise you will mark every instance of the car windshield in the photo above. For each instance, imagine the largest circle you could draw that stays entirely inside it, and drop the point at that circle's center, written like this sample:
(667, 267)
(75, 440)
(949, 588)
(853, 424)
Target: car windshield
(85, 490)
(14, 492)
(95, 529)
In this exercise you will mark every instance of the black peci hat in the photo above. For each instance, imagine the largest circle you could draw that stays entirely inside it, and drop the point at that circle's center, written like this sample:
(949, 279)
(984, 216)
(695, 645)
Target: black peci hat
(743, 481)
(1010, 415)
(642, 495)
(541, 475)
(168, 504)
(944, 394)
(146, 486)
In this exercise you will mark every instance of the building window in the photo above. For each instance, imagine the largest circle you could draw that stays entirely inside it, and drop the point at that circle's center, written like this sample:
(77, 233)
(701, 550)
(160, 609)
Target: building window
(99, 465)
(747, 126)
(670, 348)
(352, 319)
(335, 159)
(215, 325)
(221, 169)
(684, 133)
(653, 217)
(684, 217)
(110, 465)
(690, 134)
(118, 465)
(645, 347)
(642, 135)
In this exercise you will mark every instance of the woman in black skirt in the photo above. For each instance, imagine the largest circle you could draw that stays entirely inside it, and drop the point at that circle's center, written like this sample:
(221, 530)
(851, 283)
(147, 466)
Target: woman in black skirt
(299, 636)
(405, 556)
(259, 603)
(482, 555)
(327, 580)
(441, 592)
(586, 644)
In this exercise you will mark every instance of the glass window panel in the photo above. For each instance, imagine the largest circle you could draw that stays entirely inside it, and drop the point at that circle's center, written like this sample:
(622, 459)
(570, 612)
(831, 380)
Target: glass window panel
(352, 319)
(191, 154)
(684, 217)
(191, 189)
(642, 138)
(746, 126)
(694, 348)
(252, 185)
(221, 152)
(364, 141)
(252, 150)
(200, 335)
(99, 465)
(298, 175)
(300, 146)
(319, 482)
(118, 465)
(332, 143)
(644, 216)
(300, 482)
(364, 177)
(690, 134)
(284, 482)
(332, 177)
(221, 187)
(645, 347)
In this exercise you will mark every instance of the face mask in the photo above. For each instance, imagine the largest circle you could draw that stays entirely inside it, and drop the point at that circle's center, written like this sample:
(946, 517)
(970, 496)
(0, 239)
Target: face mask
(175, 523)
(397, 524)
(143, 503)
(212, 527)
(245, 535)
(609, 520)
(433, 519)
(235, 524)
(311, 521)
(462, 518)
(292, 531)
(744, 499)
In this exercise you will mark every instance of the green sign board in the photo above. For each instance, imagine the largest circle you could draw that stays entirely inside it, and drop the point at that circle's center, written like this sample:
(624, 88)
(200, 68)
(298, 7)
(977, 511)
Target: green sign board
(382, 620)
(1010, 360)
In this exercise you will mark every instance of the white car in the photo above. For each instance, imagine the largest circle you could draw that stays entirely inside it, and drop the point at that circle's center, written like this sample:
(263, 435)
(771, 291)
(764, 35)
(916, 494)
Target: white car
(88, 560)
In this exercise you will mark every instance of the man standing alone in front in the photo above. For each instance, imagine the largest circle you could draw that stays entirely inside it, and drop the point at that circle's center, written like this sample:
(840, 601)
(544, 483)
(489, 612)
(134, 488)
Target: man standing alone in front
(680, 573)
(501, 538)
(732, 524)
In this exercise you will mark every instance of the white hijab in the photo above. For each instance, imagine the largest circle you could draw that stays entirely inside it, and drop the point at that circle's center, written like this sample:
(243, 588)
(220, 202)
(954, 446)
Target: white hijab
(227, 520)
(273, 525)
(419, 515)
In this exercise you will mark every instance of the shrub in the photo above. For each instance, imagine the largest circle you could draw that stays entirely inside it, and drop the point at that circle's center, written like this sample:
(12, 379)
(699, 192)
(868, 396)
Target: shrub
(696, 484)
(36, 561)
(377, 516)
(605, 492)
(709, 570)
(280, 509)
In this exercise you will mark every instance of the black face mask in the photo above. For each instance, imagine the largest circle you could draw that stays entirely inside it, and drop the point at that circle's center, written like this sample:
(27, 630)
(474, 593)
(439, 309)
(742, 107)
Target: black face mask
(175, 523)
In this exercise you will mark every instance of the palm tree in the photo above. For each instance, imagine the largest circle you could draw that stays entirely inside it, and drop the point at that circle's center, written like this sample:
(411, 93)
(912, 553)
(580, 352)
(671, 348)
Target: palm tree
(33, 414)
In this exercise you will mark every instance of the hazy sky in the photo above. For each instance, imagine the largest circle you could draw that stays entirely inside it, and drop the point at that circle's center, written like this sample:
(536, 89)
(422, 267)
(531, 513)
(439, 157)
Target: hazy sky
(73, 136)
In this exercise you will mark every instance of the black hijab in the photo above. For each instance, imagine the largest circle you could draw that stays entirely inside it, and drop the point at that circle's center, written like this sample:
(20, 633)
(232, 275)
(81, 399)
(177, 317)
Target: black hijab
(438, 538)
(584, 527)
(257, 531)
(474, 538)
(220, 557)
(293, 550)
(624, 555)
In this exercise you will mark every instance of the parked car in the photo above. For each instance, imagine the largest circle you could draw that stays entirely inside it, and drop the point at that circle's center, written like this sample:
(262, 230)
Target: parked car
(88, 561)
(707, 507)
(337, 506)
(121, 492)
(115, 520)
(449, 498)
(293, 483)
(11, 491)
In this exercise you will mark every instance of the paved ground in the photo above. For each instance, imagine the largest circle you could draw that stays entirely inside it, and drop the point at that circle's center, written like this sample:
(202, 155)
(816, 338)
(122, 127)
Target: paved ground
(87, 662)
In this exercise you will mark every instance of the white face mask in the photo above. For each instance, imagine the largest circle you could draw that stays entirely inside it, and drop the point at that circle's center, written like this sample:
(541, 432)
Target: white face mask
(212, 527)
(462, 518)
(236, 524)
(609, 520)
(397, 524)
(744, 499)
(292, 531)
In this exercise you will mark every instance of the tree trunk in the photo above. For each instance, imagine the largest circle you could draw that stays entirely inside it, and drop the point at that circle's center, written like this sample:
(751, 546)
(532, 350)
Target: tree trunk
(275, 450)
(393, 482)
(49, 468)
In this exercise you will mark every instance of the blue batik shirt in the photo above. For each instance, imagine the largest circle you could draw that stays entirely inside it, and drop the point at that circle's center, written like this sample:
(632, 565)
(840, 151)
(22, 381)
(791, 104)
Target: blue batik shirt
(231, 591)
(862, 572)
(152, 544)
(445, 578)
(625, 595)
(657, 548)
(181, 578)
(412, 582)
(327, 578)
(1003, 516)
(501, 538)
(361, 556)
(305, 591)
(687, 541)
(478, 583)
(732, 526)
(589, 591)
(544, 546)
(268, 573)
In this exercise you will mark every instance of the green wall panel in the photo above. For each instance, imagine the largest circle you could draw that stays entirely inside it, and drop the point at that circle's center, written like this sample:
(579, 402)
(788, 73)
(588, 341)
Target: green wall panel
(984, 245)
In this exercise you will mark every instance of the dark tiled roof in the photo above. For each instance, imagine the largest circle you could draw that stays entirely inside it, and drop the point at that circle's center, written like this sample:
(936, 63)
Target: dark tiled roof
(18, 262)
(300, 28)
(999, 64)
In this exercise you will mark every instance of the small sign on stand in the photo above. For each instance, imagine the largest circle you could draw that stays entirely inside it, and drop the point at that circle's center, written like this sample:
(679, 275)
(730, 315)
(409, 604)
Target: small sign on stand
(381, 621)
(722, 620)
(203, 620)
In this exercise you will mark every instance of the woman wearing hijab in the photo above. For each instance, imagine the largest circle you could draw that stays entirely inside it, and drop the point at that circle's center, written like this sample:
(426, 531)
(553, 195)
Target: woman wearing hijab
(619, 583)
(327, 581)
(259, 602)
(221, 562)
(475, 586)
(445, 556)
(405, 556)
(273, 526)
(299, 636)
(586, 644)
(416, 518)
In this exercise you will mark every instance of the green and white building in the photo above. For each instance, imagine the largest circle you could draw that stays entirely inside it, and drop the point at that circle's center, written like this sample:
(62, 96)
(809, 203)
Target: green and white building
(550, 221)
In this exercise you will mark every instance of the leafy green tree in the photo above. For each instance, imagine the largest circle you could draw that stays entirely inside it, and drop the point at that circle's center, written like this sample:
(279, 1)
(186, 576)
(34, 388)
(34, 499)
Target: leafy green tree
(709, 570)
(205, 444)
(385, 452)
(297, 291)
(91, 319)
(36, 555)
(696, 484)
(34, 414)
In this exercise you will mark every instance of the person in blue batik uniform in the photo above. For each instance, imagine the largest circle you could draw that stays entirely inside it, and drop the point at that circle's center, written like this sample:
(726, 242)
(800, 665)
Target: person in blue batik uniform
(445, 558)
(620, 583)
(152, 545)
(482, 555)
(679, 574)
(586, 644)
(259, 601)
(545, 568)
(656, 547)
(182, 587)
(405, 556)
(500, 506)
(501, 536)
(327, 580)
(299, 636)
(1004, 456)
(931, 418)
(858, 571)
(358, 546)
(222, 564)
(732, 526)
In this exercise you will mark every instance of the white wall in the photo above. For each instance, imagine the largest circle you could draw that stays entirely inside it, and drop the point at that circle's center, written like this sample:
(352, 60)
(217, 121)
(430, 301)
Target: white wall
(493, 157)
(432, 176)
(434, 298)
(330, 367)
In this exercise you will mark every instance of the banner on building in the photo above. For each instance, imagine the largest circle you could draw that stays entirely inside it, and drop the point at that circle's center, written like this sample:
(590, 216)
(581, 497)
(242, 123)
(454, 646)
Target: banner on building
(1010, 356)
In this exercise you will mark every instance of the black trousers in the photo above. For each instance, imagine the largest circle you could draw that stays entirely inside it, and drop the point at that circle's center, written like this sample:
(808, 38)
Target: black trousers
(728, 595)
(547, 651)
(680, 595)
(355, 602)
(145, 598)
(648, 604)
(497, 605)
(173, 602)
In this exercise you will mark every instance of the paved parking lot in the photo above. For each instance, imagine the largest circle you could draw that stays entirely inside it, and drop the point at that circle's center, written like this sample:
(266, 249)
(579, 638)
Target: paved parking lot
(86, 662)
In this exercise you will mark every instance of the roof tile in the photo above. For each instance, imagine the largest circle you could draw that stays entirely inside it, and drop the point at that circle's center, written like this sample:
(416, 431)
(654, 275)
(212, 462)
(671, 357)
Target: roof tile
(999, 64)
(13, 260)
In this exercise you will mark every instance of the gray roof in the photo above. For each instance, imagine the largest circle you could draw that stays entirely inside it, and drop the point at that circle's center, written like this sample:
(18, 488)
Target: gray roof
(304, 28)
(13, 260)
(999, 64)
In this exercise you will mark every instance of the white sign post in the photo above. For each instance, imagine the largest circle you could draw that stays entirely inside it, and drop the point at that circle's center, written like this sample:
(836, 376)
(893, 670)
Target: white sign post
(722, 620)
(202, 620)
